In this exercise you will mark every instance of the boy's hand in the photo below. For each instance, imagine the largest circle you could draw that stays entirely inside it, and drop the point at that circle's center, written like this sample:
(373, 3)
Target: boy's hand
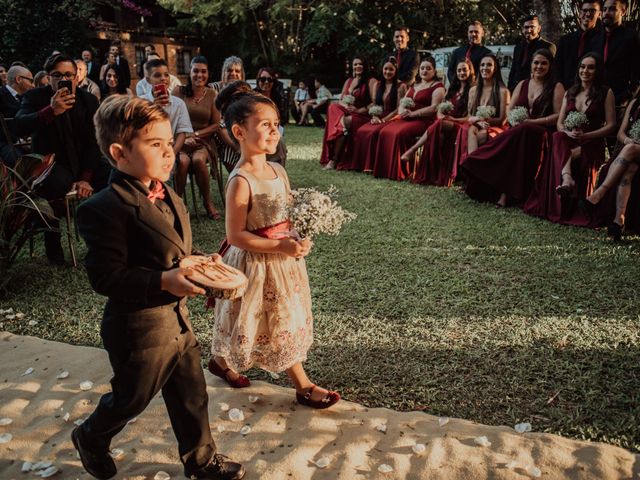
(161, 100)
(175, 282)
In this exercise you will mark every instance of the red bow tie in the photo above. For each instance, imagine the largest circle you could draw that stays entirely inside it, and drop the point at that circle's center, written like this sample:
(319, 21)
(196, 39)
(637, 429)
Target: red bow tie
(156, 192)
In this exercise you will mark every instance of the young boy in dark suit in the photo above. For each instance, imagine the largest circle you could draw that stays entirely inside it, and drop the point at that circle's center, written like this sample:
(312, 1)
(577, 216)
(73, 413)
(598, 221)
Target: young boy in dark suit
(136, 230)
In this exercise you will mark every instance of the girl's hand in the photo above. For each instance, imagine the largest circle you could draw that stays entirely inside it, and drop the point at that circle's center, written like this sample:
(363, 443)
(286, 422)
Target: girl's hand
(441, 115)
(295, 248)
(473, 119)
(376, 120)
(350, 108)
(483, 124)
(576, 134)
(406, 114)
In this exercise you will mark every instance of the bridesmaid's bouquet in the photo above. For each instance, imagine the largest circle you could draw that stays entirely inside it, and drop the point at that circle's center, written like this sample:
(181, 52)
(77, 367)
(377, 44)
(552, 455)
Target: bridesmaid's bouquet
(486, 111)
(375, 110)
(575, 120)
(407, 103)
(312, 212)
(445, 108)
(517, 116)
(634, 131)
(348, 100)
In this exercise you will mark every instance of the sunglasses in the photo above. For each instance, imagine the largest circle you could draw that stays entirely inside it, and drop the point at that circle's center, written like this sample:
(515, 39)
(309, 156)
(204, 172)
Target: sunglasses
(265, 79)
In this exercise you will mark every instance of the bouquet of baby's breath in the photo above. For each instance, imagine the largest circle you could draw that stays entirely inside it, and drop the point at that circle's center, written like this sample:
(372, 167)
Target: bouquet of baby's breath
(312, 212)
(634, 131)
(486, 111)
(348, 100)
(407, 103)
(517, 116)
(575, 120)
(375, 110)
(445, 108)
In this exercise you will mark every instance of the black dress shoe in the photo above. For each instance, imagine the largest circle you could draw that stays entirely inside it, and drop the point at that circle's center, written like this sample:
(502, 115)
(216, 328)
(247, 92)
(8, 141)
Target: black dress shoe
(100, 465)
(219, 468)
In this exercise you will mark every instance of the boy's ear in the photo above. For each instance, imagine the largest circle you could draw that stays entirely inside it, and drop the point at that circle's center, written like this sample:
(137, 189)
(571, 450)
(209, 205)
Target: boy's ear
(117, 152)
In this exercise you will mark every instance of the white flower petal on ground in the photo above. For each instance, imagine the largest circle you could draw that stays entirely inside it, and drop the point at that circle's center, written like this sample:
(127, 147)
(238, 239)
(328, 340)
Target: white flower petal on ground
(275, 376)
(5, 421)
(5, 438)
(78, 422)
(384, 468)
(512, 465)
(419, 448)
(253, 398)
(32, 323)
(66, 417)
(322, 462)
(442, 421)
(162, 476)
(236, 415)
(62, 375)
(245, 430)
(220, 428)
(382, 428)
(10, 317)
(522, 427)
(41, 465)
(49, 472)
(116, 453)
(133, 420)
(26, 467)
(28, 371)
(224, 407)
(20, 316)
(482, 441)
(86, 385)
(533, 471)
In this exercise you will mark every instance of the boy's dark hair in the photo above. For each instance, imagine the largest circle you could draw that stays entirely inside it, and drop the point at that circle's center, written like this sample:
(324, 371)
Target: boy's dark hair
(120, 118)
(530, 18)
(237, 101)
(155, 63)
(54, 60)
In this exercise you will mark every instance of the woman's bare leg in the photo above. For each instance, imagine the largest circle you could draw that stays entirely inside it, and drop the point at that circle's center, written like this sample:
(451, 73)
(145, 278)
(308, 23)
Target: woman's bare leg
(302, 383)
(624, 192)
(182, 169)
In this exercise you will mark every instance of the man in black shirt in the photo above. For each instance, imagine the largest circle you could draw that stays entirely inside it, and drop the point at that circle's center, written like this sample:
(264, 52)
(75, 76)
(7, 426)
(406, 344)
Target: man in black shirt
(524, 50)
(407, 60)
(474, 50)
(575, 44)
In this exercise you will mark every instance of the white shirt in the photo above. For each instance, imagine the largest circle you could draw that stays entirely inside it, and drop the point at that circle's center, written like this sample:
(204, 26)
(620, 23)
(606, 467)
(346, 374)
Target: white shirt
(13, 92)
(178, 114)
(143, 87)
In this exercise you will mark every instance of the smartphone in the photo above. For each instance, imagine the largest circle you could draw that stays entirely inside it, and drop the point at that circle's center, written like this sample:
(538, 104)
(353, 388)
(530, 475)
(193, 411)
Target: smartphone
(66, 84)
(159, 89)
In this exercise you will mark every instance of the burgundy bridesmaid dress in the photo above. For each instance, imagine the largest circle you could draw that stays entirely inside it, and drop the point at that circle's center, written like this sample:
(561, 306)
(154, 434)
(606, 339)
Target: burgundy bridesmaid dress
(544, 201)
(366, 140)
(396, 137)
(335, 112)
(436, 165)
(509, 162)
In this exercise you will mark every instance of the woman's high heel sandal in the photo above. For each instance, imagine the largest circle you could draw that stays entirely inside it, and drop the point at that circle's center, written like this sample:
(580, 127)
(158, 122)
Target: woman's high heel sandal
(614, 230)
(218, 371)
(568, 190)
(329, 399)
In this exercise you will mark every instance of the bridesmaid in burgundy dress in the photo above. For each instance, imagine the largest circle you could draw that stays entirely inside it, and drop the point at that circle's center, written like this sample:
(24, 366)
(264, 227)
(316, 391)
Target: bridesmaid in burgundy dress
(505, 167)
(616, 202)
(344, 119)
(396, 137)
(436, 163)
(387, 94)
(569, 169)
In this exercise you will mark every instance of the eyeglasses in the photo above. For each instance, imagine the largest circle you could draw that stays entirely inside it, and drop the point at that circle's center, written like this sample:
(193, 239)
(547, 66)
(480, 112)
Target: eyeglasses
(66, 76)
(265, 79)
(28, 79)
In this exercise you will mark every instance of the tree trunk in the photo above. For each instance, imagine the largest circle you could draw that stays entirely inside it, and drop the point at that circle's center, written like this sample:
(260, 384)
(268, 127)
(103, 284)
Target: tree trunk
(550, 18)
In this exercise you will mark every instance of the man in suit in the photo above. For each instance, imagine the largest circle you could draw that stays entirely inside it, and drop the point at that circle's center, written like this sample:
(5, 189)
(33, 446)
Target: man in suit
(573, 45)
(474, 50)
(60, 120)
(93, 67)
(407, 60)
(122, 63)
(619, 46)
(19, 82)
(84, 82)
(524, 50)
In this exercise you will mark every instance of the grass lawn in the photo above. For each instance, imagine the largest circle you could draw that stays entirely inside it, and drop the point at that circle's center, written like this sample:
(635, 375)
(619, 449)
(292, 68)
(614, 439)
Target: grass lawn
(431, 301)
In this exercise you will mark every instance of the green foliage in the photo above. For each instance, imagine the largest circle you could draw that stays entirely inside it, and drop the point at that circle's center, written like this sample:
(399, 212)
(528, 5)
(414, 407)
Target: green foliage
(31, 30)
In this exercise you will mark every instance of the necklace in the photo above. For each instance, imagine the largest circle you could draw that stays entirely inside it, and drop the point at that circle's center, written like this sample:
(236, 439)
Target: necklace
(197, 100)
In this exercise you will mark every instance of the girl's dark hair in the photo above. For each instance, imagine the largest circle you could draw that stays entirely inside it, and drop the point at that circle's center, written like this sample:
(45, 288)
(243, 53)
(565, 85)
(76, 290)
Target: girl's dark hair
(104, 88)
(543, 105)
(456, 84)
(598, 90)
(393, 93)
(432, 61)
(187, 90)
(498, 84)
(364, 79)
(237, 102)
(276, 90)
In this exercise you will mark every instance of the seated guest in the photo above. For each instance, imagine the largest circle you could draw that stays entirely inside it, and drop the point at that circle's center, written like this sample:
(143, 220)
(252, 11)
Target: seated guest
(616, 201)
(268, 85)
(19, 82)
(60, 120)
(573, 45)
(417, 110)
(345, 117)
(232, 71)
(474, 50)
(301, 96)
(157, 73)
(316, 106)
(524, 49)
(205, 120)
(4, 71)
(111, 84)
(571, 165)
(40, 79)
(386, 95)
(84, 82)
(505, 167)
(437, 165)
(143, 87)
(490, 91)
(407, 59)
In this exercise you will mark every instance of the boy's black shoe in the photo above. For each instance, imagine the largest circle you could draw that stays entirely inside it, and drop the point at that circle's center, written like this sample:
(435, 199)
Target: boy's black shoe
(100, 465)
(219, 468)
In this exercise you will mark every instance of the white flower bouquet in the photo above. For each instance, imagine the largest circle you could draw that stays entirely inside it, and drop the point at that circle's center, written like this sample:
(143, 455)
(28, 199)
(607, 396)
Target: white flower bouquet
(348, 100)
(375, 110)
(312, 212)
(407, 103)
(575, 120)
(517, 116)
(445, 108)
(634, 131)
(486, 111)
